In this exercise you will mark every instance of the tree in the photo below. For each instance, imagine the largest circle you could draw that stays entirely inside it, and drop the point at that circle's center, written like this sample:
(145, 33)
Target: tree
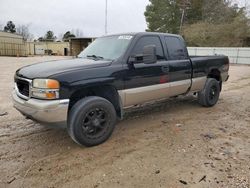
(68, 35)
(222, 24)
(10, 27)
(204, 34)
(49, 36)
(205, 23)
(77, 32)
(219, 11)
(41, 39)
(168, 15)
(194, 12)
(163, 16)
(24, 31)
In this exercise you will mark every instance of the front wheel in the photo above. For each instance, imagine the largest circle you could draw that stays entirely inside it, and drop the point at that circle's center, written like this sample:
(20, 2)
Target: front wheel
(210, 94)
(91, 121)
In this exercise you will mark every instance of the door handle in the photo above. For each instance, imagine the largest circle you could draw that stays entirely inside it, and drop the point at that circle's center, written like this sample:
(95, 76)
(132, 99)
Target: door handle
(165, 69)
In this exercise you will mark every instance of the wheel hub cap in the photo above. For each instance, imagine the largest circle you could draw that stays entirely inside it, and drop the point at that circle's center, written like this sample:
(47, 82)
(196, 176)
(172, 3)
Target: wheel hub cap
(96, 122)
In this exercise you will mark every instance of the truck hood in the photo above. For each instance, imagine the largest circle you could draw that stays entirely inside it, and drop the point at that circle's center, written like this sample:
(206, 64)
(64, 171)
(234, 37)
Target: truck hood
(50, 68)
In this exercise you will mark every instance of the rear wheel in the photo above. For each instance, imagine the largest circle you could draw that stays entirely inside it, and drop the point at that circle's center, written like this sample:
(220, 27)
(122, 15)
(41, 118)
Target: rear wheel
(210, 94)
(91, 121)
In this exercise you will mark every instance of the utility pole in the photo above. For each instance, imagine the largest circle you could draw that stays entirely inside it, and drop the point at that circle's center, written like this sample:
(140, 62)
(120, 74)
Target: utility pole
(182, 19)
(184, 5)
(106, 17)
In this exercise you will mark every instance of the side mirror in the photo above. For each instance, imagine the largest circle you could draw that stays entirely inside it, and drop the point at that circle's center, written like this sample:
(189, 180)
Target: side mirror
(148, 56)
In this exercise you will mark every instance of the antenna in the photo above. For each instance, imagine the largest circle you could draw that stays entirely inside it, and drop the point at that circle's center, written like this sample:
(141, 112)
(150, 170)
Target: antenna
(106, 17)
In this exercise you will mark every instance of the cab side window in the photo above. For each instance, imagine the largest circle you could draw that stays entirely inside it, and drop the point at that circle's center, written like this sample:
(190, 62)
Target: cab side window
(149, 40)
(176, 50)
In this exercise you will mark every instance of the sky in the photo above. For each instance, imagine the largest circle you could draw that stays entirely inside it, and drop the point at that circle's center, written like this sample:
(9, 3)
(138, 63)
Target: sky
(85, 15)
(88, 16)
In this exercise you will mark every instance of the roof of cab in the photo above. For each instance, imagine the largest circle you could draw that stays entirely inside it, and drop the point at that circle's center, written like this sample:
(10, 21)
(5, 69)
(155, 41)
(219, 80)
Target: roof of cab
(144, 33)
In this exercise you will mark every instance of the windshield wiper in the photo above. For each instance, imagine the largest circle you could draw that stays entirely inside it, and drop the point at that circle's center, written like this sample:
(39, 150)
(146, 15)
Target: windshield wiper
(95, 56)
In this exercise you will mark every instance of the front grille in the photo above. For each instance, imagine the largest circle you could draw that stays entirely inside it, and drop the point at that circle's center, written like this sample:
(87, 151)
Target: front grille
(23, 87)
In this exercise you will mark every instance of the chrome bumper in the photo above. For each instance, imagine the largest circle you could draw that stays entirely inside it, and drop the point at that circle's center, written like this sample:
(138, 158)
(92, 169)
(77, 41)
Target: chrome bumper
(43, 111)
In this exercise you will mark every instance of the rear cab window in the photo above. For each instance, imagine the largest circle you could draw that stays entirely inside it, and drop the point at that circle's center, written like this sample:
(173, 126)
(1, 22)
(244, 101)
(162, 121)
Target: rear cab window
(176, 49)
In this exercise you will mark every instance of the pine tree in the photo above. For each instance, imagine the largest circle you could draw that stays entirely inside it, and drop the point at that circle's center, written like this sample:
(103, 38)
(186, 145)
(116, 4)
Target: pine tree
(163, 16)
(10, 27)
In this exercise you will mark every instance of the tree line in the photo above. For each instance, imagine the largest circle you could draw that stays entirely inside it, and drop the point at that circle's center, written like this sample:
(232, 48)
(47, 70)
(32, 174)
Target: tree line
(218, 23)
(49, 35)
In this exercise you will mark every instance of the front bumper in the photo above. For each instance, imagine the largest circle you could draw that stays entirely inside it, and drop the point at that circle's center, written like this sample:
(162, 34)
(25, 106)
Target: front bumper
(42, 111)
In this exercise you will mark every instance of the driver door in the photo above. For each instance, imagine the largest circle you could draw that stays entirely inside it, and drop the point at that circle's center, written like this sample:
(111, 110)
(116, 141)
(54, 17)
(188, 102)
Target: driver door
(146, 82)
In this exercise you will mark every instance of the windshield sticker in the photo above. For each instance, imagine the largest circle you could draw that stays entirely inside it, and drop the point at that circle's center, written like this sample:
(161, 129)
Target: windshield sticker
(125, 37)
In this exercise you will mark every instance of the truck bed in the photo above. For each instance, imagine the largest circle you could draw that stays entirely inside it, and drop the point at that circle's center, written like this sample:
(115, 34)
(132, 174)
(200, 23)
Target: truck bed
(203, 65)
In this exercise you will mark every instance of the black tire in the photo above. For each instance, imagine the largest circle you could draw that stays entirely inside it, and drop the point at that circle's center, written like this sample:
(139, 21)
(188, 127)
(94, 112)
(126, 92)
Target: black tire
(210, 94)
(91, 121)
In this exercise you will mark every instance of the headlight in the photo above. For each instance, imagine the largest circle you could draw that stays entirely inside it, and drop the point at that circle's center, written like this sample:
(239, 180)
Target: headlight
(45, 89)
(46, 84)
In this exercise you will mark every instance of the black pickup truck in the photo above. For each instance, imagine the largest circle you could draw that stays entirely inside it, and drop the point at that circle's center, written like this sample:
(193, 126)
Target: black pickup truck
(90, 92)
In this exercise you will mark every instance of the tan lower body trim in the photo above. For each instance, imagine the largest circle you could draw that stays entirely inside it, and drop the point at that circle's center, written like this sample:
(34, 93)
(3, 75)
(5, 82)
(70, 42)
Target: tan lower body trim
(179, 87)
(141, 95)
(144, 94)
(198, 83)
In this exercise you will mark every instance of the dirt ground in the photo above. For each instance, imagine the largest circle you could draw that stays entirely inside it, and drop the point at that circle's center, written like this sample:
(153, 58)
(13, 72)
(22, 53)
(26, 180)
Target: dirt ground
(172, 143)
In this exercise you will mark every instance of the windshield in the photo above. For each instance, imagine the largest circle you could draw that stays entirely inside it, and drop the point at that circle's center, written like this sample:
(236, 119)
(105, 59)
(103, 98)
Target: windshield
(107, 48)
